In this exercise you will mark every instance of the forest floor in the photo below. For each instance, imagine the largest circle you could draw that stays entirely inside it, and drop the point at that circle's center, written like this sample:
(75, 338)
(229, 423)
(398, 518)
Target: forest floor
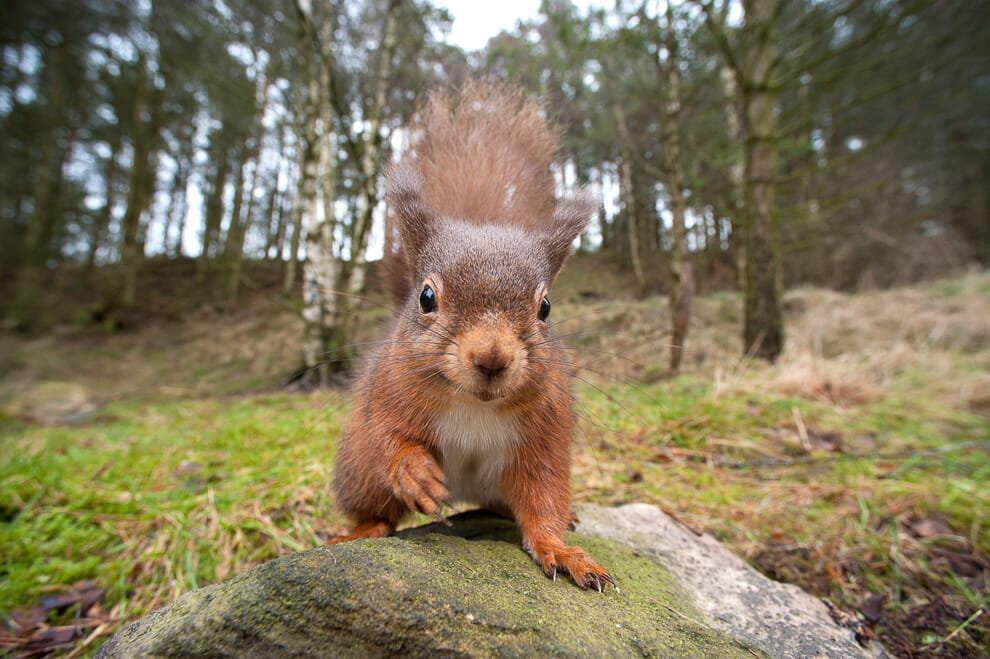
(857, 466)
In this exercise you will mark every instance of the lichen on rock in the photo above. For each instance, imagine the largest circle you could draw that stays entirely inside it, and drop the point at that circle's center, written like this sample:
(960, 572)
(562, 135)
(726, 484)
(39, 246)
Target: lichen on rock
(466, 590)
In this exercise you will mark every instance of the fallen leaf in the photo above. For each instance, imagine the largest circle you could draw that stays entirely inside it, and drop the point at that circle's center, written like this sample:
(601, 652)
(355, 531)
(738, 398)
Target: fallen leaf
(928, 528)
(85, 593)
(49, 639)
(27, 619)
(872, 608)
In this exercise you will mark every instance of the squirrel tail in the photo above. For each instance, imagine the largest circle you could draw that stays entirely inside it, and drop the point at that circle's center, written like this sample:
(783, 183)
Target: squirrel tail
(483, 155)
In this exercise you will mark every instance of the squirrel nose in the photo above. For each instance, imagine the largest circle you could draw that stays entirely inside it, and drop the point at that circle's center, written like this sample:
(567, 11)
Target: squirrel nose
(490, 364)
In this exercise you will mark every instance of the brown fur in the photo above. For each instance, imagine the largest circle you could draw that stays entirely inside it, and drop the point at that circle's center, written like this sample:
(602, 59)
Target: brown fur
(484, 155)
(472, 398)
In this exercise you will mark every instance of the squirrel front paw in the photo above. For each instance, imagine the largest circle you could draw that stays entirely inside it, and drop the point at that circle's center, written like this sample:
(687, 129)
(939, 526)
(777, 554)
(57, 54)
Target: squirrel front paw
(584, 571)
(418, 482)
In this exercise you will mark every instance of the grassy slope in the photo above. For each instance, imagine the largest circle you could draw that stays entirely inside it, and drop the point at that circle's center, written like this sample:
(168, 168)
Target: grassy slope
(856, 466)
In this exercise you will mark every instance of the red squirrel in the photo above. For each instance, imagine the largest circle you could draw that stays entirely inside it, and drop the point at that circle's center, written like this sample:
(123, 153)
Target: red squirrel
(469, 399)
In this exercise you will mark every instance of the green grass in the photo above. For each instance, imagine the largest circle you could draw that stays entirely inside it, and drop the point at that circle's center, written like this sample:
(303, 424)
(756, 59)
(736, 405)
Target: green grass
(169, 495)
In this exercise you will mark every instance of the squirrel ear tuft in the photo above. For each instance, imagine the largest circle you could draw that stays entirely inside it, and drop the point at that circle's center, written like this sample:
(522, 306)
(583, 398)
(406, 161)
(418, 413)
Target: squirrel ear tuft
(571, 215)
(404, 193)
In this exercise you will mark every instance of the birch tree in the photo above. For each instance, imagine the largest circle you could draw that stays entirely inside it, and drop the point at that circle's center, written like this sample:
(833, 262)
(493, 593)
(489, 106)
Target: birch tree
(317, 161)
(332, 117)
(368, 147)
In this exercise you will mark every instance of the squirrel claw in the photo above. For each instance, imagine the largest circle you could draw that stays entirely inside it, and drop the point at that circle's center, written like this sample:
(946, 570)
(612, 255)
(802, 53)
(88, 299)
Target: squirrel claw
(583, 570)
(419, 483)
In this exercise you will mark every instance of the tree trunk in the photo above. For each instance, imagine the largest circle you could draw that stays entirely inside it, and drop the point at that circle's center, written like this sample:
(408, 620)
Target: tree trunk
(681, 281)
(48, 181)
(141, 183)
(763, 333)
(273, 221)
(213, 211)
(736, 205)
(318, 159)
(101, 224)
(353, 271)
(178, 204)
(234, 250)
(233, 246)
(284, 200)
(292, 264)
(320, 266)
(12, 191)
(629, 199)
(274, 225)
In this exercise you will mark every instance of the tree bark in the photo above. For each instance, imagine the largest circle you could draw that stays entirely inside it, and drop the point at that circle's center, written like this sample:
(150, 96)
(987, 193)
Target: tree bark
(320, 268)
(233, 246)
(213, 207)
(101, 225)
(736, 174)
(141, 183)
(752, 70)
(763, 333)
(353, 271)
(681, 281)
(48, 181)
(629, 199)
(178, 203)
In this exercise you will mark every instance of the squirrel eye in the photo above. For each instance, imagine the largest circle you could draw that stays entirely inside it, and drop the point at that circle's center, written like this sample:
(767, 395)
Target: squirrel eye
(428, 300)
(544, 309)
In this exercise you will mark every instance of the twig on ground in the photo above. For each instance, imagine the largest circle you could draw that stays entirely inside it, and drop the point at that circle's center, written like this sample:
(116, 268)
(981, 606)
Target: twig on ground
(966, 623)
(802, 431)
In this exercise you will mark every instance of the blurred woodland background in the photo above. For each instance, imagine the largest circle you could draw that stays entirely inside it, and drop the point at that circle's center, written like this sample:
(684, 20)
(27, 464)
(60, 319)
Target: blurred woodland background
(795, 221)
(760, 145)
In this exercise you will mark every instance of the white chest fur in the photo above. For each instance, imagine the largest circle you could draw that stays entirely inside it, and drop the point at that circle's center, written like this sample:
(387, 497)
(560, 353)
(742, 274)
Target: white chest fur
(475, 446)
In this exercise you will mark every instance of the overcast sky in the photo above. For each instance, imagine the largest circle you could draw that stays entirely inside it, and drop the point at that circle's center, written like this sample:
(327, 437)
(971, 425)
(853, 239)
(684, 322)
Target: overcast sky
(475, 22)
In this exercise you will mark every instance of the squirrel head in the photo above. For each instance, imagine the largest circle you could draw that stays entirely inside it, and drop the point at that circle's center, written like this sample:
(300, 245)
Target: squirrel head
(481, 294)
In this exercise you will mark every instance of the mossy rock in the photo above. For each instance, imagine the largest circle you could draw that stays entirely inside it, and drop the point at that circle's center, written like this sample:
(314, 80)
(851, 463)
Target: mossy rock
(467, 590)
(470, 590)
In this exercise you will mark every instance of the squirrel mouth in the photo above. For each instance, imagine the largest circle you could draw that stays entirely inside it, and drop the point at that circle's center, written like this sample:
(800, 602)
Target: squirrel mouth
(485, 396)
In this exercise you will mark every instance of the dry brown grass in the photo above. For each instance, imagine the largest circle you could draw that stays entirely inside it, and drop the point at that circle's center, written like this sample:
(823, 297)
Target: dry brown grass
(839, 348)
(851, 348)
